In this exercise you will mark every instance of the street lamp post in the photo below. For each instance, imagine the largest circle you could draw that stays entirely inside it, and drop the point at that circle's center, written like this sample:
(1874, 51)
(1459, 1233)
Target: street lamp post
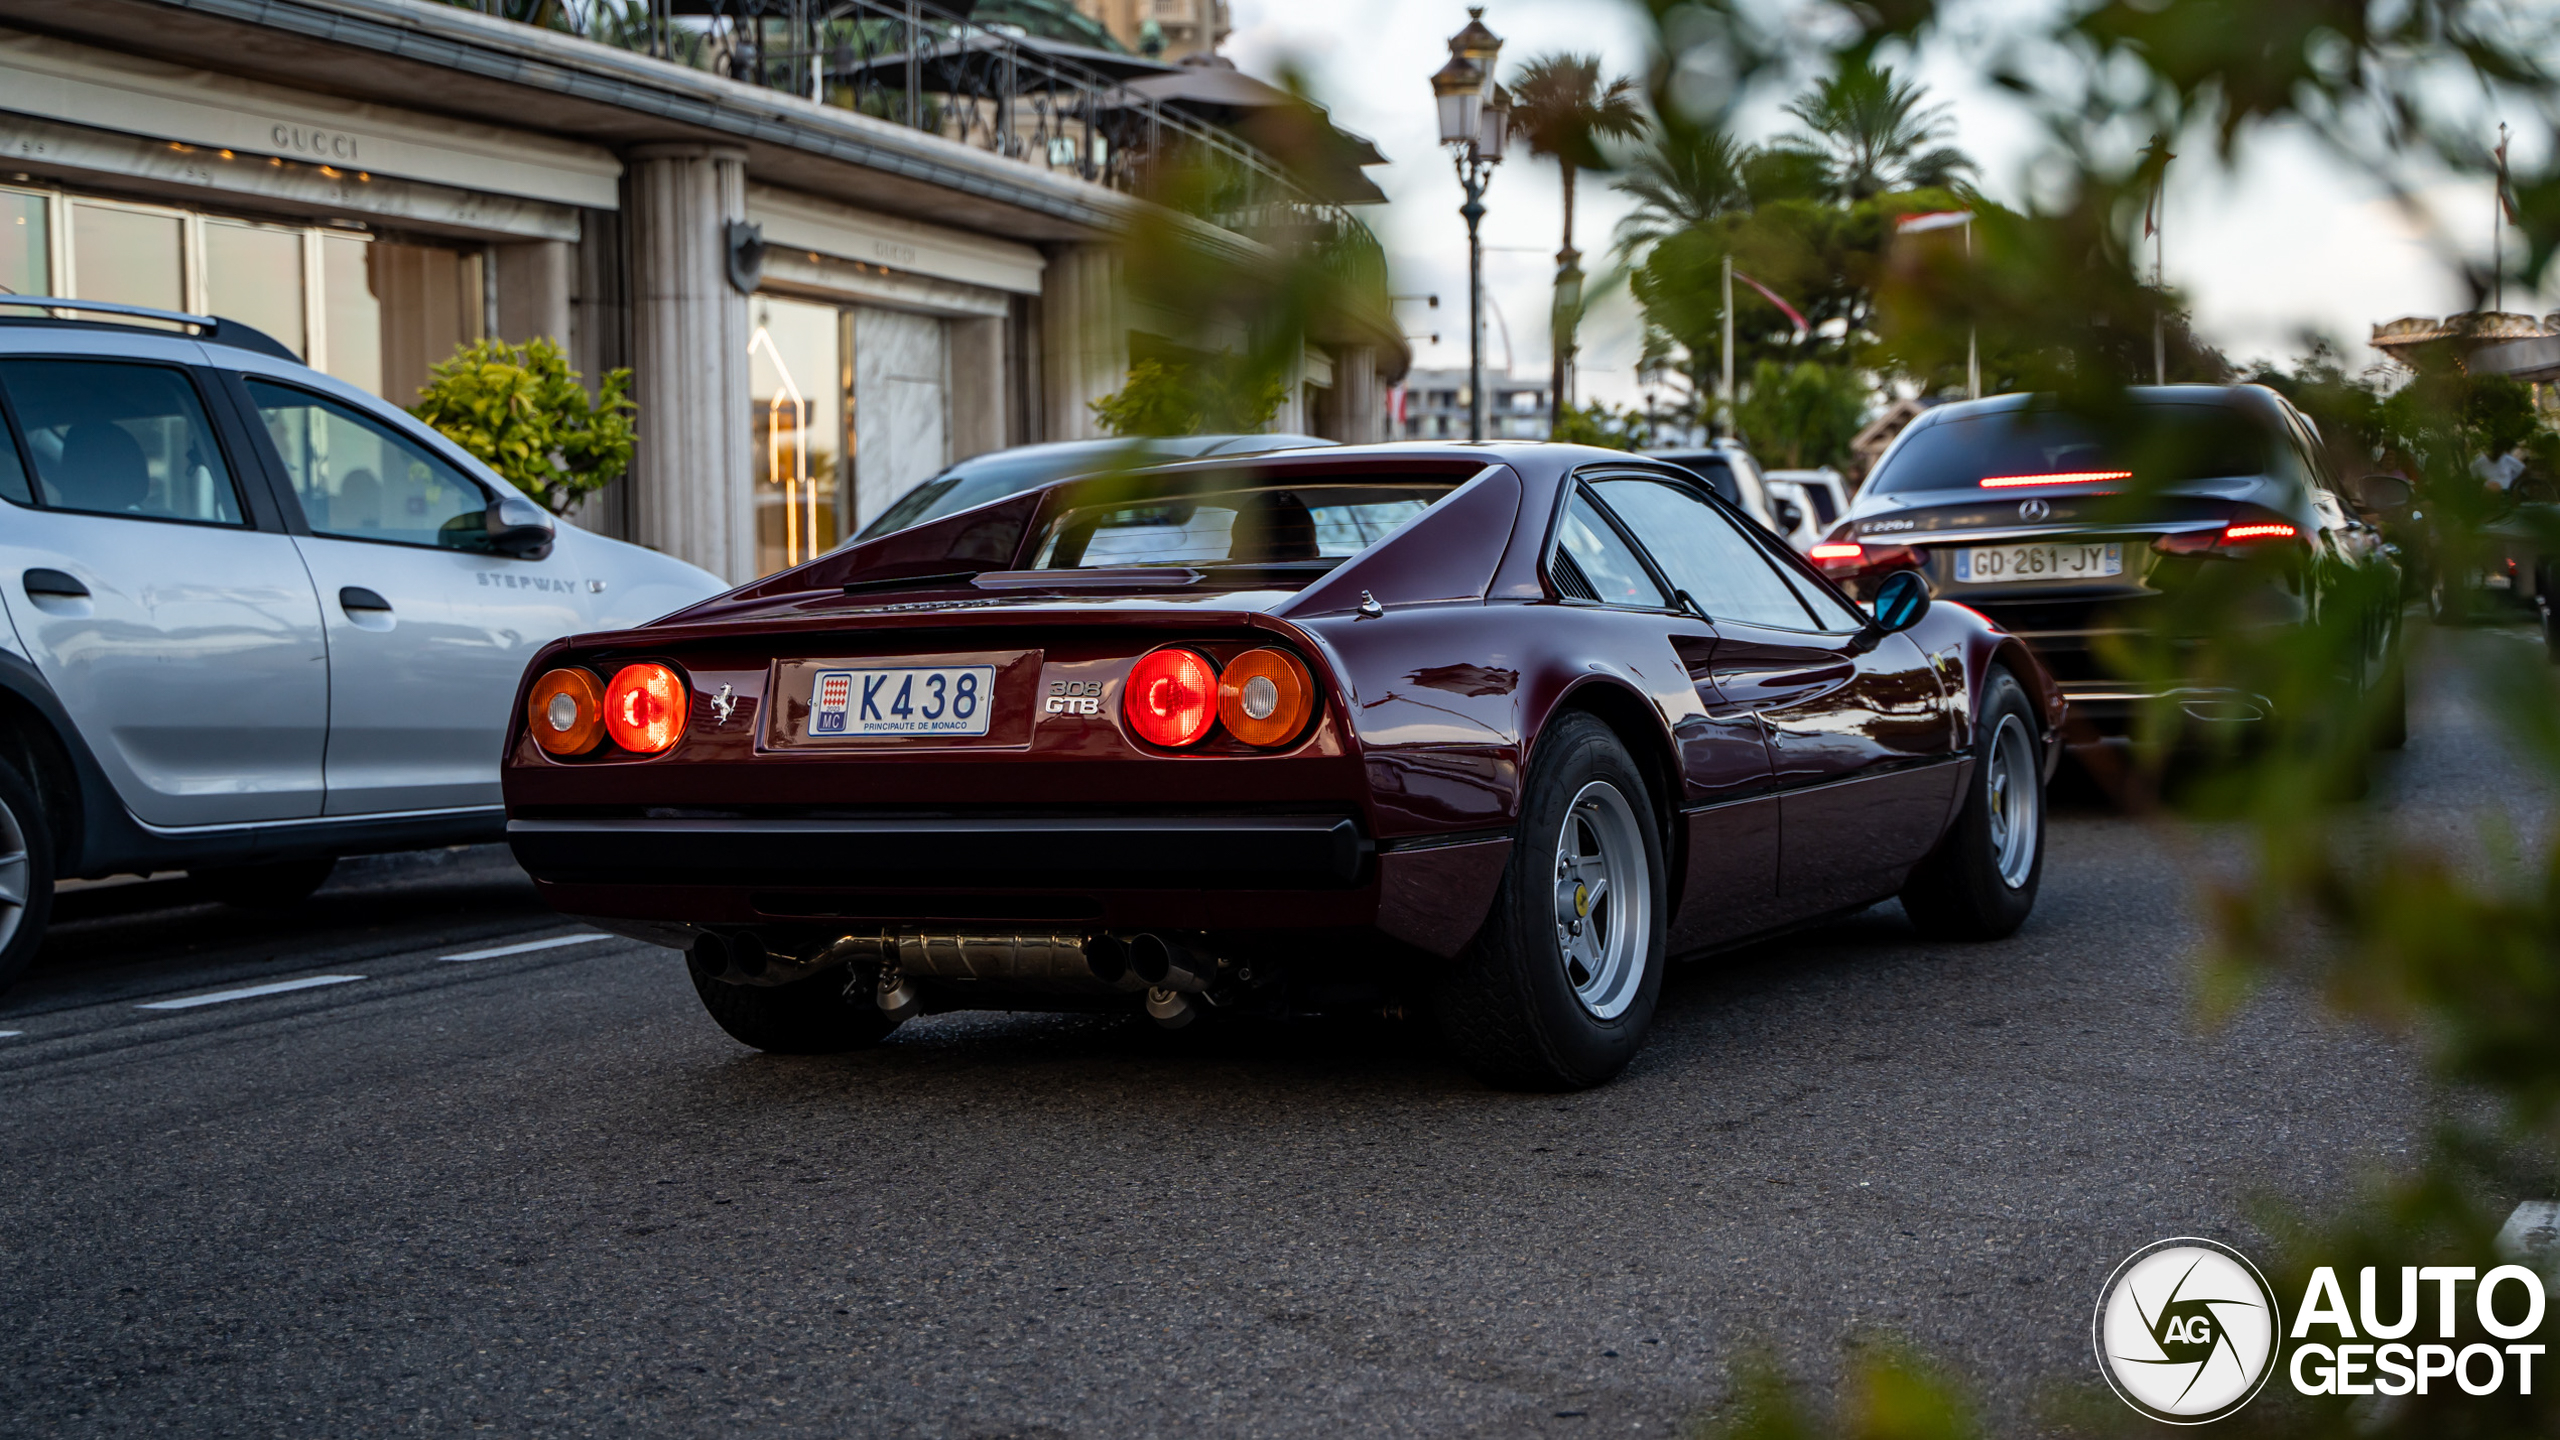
(1475, 122)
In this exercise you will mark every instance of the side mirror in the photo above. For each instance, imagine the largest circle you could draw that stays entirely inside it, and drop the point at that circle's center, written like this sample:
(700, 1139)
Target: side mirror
(2382, 494)
(1900, 601)
(1790, 516)
(519, 528)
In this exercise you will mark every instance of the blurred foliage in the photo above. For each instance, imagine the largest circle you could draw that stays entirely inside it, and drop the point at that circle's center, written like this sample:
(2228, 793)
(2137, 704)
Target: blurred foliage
(1597, 424)
(525, 414)
(1871, 134)
(1203, 396)
(1799, 416)
(1231, 315)
(2456, 949)
(1811, 215)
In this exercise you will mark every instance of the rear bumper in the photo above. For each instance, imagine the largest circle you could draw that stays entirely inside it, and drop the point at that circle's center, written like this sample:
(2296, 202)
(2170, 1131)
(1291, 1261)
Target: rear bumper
(665, 880)
(1151, 852)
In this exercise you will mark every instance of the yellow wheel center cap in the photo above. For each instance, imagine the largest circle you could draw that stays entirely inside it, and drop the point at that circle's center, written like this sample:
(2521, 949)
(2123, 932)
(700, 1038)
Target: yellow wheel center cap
(1581, 899)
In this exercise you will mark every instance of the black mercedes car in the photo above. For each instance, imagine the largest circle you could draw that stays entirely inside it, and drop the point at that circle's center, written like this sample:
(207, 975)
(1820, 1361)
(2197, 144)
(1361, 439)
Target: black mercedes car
(2069, 531)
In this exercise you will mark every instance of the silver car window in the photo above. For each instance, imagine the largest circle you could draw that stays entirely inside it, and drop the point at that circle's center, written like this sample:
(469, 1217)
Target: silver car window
(13, 472)
(113, 438)
(361, 480)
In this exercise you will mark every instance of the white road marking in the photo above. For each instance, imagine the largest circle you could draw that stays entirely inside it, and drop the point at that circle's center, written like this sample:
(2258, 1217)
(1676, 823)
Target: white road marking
(10, 1034)
(530, 945)
(217, 997)
(2530, 1233)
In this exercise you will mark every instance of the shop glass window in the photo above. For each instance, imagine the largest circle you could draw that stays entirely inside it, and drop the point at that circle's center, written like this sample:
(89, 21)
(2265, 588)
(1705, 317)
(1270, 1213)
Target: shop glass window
(117, 439)
(350, 316)
(253, 274)
(26, 251)
(360, 480)
(796, 403)
(128, 257)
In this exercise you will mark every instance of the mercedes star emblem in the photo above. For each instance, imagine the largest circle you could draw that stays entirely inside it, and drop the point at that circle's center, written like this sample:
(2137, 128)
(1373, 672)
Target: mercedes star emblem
(2034, 510)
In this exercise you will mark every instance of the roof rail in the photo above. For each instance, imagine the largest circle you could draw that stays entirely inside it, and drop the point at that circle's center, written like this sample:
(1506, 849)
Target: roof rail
(209, 327)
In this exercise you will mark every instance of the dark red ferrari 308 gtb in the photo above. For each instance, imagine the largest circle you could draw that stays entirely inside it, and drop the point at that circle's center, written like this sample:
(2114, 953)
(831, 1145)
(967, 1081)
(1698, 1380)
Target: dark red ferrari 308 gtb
(1490, 731)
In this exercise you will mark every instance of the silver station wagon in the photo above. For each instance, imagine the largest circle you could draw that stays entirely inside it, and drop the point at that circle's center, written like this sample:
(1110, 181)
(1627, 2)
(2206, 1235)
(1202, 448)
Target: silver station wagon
(256, 618)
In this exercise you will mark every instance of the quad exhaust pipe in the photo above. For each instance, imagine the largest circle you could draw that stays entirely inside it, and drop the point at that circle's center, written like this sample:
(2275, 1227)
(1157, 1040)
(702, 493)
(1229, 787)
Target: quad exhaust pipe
(1173, 970)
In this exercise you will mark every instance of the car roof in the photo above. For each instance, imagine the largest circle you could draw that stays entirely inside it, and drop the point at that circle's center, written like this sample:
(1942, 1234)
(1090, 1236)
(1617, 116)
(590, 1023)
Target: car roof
(206, 329)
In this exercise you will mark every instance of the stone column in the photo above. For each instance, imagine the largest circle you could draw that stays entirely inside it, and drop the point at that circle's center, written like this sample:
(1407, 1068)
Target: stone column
(1084, 338)
(534, 283)
(691, 490)
(1359, 415)
(981, 391)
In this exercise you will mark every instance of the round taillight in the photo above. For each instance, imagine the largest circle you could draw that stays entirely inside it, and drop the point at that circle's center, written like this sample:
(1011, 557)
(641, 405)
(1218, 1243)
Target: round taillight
(565, 712)
(644, 708)
(1171, 698)
(1265, 697)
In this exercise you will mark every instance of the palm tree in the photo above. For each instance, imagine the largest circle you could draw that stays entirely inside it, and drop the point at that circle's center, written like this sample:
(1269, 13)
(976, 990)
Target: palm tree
(1559, 105)
(1874, 134)
(1682, 176)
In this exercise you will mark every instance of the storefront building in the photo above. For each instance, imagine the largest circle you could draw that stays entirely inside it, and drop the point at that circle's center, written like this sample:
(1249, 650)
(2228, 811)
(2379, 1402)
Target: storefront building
(821, 307)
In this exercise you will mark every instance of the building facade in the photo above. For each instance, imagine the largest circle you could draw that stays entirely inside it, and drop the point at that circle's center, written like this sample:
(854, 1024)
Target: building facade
(1164, 29)
(1434, 406)
(822, 304)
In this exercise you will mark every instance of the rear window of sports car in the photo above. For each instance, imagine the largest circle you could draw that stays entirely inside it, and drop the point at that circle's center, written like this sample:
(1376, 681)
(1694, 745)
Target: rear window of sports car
(1314, 526)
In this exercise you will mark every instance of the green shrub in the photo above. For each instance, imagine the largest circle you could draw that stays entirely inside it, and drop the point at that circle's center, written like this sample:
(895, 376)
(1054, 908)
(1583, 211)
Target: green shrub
(525, 414)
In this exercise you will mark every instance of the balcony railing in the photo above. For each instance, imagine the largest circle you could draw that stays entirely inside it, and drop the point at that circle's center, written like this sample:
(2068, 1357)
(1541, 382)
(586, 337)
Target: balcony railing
(918, 65)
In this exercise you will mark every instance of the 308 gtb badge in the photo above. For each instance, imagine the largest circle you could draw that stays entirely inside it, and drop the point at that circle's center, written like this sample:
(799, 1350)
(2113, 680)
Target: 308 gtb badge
(1075, 697)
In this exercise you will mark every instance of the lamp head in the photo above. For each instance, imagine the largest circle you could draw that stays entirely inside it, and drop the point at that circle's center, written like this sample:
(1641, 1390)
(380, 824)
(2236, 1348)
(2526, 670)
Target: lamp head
(1459, 89)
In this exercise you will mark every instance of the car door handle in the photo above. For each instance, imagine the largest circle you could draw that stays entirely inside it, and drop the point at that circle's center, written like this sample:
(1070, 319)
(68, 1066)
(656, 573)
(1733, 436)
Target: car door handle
(55, 584)
(355, 597)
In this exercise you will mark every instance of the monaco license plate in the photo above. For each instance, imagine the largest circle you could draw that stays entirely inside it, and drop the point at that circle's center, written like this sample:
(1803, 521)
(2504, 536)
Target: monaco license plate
(2074, 560)
(929, 700)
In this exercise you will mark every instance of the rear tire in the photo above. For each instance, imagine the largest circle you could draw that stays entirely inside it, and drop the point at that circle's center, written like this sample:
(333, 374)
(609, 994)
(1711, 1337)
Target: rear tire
(1559, 987)
(2391, 726)
(1980, 883)
(280, 885)
(805, 1017)
(26, 875)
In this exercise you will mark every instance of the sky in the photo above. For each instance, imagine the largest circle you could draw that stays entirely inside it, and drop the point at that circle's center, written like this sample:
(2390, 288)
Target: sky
(2285, 241)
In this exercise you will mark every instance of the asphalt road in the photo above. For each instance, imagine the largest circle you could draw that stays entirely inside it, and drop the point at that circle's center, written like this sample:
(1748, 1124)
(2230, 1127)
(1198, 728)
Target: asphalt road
(538, 1193)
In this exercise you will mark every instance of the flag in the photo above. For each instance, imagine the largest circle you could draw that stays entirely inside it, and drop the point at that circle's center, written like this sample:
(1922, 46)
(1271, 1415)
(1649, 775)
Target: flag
(1772, 297)
(1934, 220)
(2506, 196)
(2159, 149)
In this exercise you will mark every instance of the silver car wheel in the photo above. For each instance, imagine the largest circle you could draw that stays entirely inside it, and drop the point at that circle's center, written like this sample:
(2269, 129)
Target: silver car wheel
(15, 868)
(1604, 900)
(2015, 800)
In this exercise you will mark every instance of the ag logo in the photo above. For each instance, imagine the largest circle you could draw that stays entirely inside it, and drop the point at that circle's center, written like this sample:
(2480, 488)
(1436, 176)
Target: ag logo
(2034, 510)
(2186, 1331)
